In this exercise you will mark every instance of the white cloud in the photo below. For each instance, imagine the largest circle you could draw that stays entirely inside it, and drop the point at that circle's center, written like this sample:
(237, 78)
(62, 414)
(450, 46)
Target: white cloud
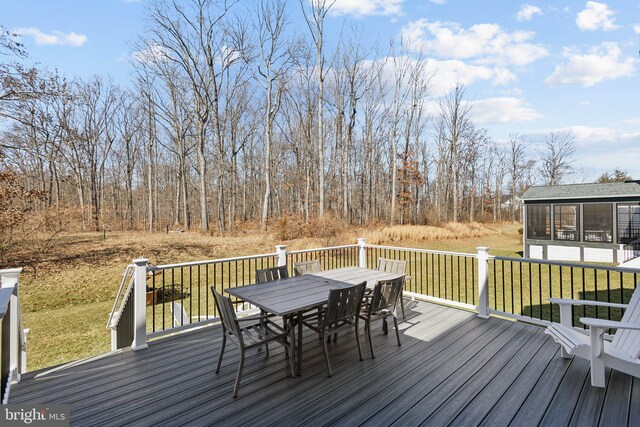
(585, 103)
(596, 16)
(367, 7)
(448, 73)
(503, 110)
(483, 43)
(527, 12)
(603, 62)
(598, 134)
(438, 1)
(54, 38)
(151, 53)
(636, 28)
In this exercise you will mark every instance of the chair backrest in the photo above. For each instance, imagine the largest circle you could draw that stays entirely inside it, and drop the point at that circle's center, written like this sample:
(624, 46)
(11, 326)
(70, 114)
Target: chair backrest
(386, 294)
(392, 266)
(625, 339)
(306, 267)
(227, 313)
(271, 274)
(344, 304)
(180, 316)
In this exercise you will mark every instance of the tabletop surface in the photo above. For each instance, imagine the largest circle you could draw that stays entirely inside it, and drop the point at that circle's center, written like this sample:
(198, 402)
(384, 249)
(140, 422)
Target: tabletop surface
(294, 294)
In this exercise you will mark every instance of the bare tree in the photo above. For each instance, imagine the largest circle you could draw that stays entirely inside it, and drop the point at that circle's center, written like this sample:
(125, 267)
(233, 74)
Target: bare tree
(454, 122)
(190, 37)
(518, 167)
(315, 21)
(274, 61)
(556, 157)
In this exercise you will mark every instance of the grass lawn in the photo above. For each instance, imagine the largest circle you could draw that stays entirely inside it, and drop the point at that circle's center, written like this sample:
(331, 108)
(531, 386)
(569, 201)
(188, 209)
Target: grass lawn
(66, 302)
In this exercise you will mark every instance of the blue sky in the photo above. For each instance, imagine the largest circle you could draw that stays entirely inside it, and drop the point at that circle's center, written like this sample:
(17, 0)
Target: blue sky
(529, 67)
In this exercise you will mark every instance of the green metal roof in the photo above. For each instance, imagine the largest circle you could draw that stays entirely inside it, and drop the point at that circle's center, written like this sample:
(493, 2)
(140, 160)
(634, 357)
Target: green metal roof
(583, 191)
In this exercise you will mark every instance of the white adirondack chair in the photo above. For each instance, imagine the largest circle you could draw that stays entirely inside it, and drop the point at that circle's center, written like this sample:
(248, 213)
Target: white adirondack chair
(621, 354)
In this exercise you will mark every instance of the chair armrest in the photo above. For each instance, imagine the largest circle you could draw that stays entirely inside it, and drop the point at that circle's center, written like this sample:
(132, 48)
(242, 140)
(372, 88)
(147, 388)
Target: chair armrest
(608, 324)
(563, 301)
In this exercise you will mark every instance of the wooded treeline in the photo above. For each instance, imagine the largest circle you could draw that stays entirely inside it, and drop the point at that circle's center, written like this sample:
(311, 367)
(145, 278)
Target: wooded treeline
(233, 117)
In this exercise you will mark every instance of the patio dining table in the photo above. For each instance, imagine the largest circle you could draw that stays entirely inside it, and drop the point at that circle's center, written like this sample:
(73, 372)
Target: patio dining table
(291, 297)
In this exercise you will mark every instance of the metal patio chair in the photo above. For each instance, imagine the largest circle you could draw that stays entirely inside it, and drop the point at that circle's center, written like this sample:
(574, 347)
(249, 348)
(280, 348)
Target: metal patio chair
(270, 274)
(397, 267)
(381, 304)
(341, 313)
(306, 267)
(247, 333)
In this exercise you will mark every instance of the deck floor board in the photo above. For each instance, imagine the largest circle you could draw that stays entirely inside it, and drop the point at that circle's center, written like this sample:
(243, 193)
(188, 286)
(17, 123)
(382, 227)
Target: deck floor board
(452, 368)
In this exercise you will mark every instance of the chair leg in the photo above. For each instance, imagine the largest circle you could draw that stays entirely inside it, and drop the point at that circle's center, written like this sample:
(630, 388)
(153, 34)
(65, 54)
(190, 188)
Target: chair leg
(385, 326)
(598, 372)
(262, 313)
(368, 328)
(395, 323)
(402, 306)
(326, 353)
(224, 342)
(239, 375)
(358, 342)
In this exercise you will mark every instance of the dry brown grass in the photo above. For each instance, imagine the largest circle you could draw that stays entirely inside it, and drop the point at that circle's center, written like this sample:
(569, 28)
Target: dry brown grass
(425, 233)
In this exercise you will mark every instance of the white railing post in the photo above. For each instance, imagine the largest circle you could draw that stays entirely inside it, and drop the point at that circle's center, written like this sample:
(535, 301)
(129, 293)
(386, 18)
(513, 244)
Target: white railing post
(621, 255)
(483, 282)
(362, 253)
(114, 338)
(140, 305)
(281, 250)
(10, 279)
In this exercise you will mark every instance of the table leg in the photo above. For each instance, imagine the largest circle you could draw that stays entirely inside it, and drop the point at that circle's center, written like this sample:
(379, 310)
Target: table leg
(299, 344)
(292, 343)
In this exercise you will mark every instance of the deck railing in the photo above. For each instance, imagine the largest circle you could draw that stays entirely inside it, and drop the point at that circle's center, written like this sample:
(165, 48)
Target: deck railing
(630, 251)
(520, 288)
(332, 257)
(13, 340)
(169, 298)
(437, 276)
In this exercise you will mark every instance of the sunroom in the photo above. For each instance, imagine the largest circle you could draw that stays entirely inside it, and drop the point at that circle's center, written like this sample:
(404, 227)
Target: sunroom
(583, 222)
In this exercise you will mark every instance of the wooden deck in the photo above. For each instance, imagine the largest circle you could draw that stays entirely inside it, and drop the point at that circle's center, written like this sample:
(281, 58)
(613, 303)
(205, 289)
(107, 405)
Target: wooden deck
(452, 369)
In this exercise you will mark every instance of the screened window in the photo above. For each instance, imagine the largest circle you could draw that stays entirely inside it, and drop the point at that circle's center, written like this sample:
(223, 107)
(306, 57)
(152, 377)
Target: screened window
(538, 222)
(566, 222)
(628, 223)
(597, 221)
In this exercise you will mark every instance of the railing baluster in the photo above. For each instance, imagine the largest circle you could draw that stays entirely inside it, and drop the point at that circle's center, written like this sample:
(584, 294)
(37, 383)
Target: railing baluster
(473, 280)
(153, 303)
(540, 289)
(608, 293)
(511, 273)
(551, 290)
(504, 306)
(495, 284)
